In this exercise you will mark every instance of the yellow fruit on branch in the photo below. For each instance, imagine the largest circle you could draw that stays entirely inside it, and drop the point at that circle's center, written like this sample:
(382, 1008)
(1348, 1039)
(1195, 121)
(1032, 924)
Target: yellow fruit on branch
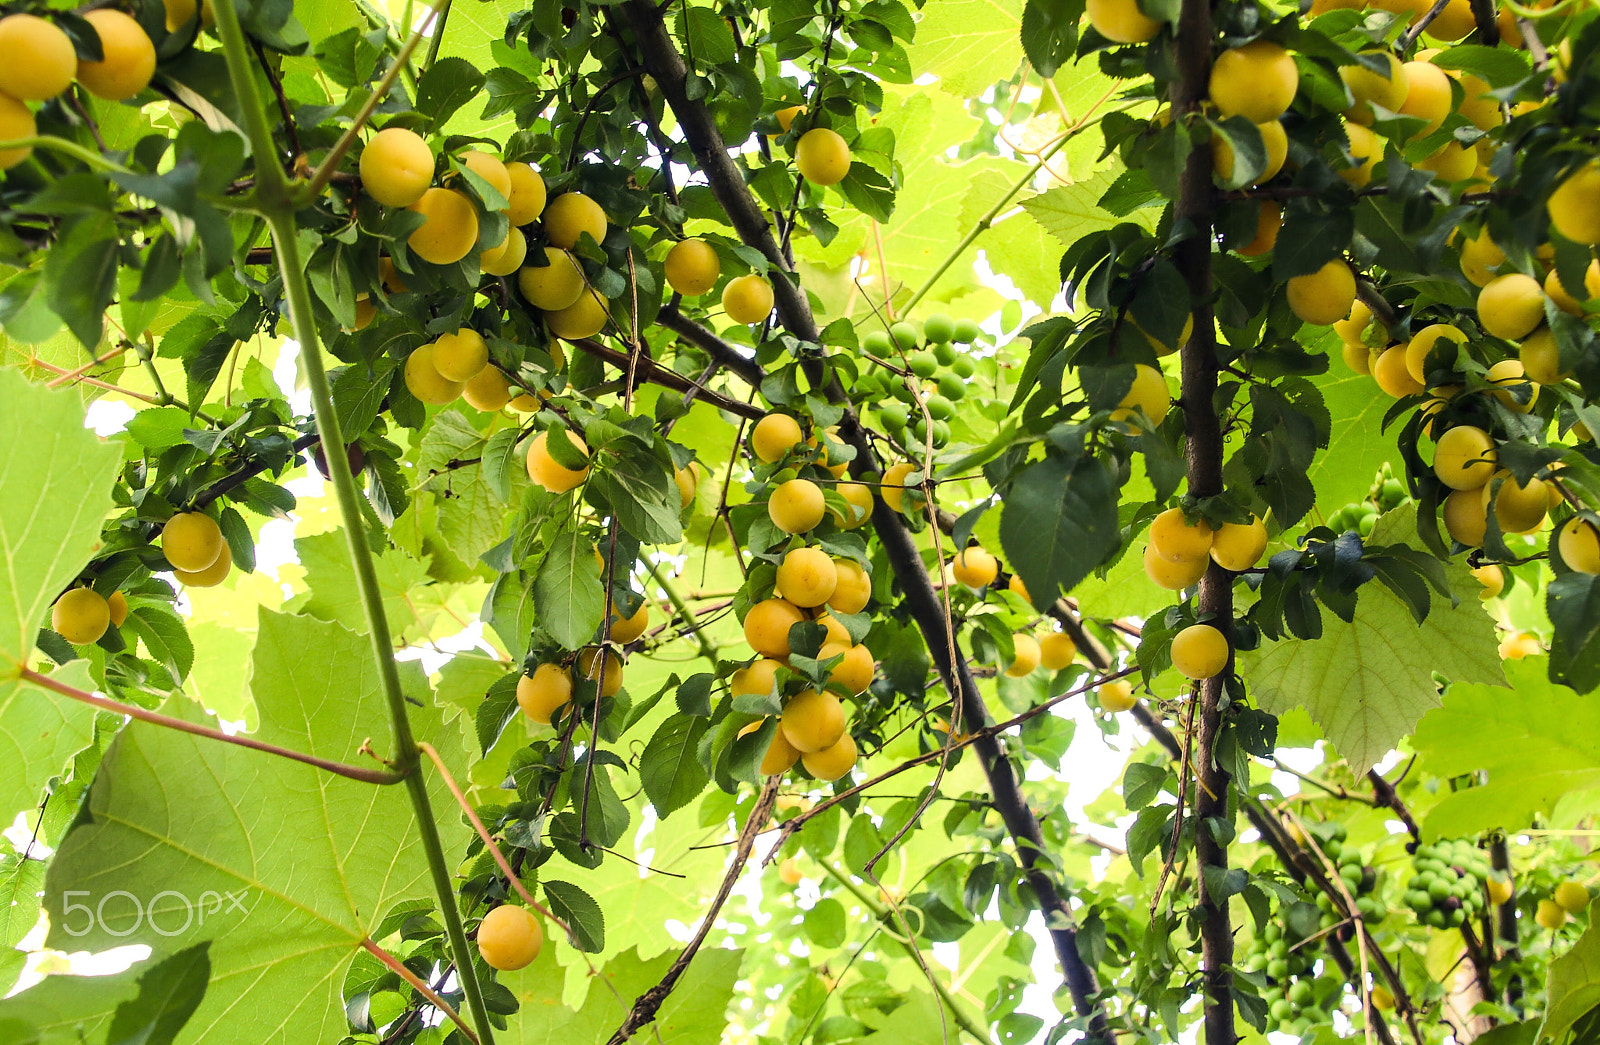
(1387, 88)
(80, 616)
(1392, 374)
(796, 506)
(893, 486)
(1148, 393)
(974, 567)
(191, 541)
(1025, 657)
(543, 693)
(807, 577)
(1269, 220)
(555, 285)
(1511, 385)
(767, 624)
(859, 496)
(547, 472)
(774, 437)
(1493, 578)
(39, 58)
(396, 167)
(755, 679)
(425, 382)
(1276, 142)
(1517, 508)
(1465, 518)
(1116, 695)
(1550, 915)
(488, 390)
(1428, 96)
(624, 630)
(1511, 306)
(1424, 342)
(585, 317)
(461, 355)
(789, 869)
(1365, 152)
(822, 156)
(747, 299)
(854, 587)
(509, 938)
(1465, 458)
(117, 604)
(1176, 538)
(1238, 546)
(1479, 255)
(596, 661)
(1578, 544)
(687, 480)
(833, 762)
(854, 671)
(212, 575)
(490, 169)
(129, 58)
(1257, 81)
(508, 256)
(1574, 205)
(1501, 887)
(1121, 21)
(692, 267)
(1173, 576)
(450, 229)
(1540, 357)
(527, 193)
(1056, 650)
(780, 755)
(1557, 291)
(16, 123)
(813, 721)
(1324, 296)
(570, 216)
(1572, 895)
(1199, 652)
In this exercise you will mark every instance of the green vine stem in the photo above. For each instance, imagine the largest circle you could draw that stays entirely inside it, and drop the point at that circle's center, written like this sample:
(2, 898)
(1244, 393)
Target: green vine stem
(277, 207)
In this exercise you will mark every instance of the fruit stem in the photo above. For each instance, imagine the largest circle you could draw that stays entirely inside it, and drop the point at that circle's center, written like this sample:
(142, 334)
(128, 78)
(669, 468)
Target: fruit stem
(277, 208)
(964, 1021)
(399, 968)
(361, 773)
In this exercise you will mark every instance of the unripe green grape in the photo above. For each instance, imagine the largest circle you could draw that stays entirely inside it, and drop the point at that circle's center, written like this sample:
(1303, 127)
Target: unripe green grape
(944, 352)
(940, 408)
(952, 387)
(924, 364)
(905, 335)
(877, 343)
(966, 332)
(964, 367)
(939, 327)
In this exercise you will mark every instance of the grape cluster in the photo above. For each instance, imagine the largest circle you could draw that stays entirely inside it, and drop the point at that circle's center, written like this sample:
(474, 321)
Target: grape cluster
(1447, 887)
(1291, 994)
(1387, 493)
(1360, 879)
(939, 335)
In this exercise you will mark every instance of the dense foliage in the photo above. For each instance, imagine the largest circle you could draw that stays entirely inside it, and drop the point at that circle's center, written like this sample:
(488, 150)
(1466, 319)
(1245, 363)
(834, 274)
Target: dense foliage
(766, 521)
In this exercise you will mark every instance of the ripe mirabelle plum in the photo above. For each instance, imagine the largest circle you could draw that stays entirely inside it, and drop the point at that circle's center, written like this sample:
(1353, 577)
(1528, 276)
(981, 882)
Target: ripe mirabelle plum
(832, 762)
(786, 115)
(1511, 306)
(181, 12)
(129, 57)
(1019, 589)
(1116, 695)
(837, 635)
(1369, 87)
(1465, 458)
(509, 938)
(624, 630)
(1511, 381)
(80, 616)
(692, 267)
(527, 193)
(813, 721)
(789, 869)
(796, 506)
(974, 567)
(590, 665)
(555, 285)
(1550, 915)
(191, 541)
(547, 472)
(424, 380)
(1176, 539)
(1269, 221)
(490, 169)
(1479, 254)
(585, 317)
(1357, 357)
(450, 230)
(1199, 652)
(1493, 578)
(1238, 546)
(1056, 650)
(487, 390)
(508, 256)
(1574, 205)
(1273, 136)
(1324, 296)
(687, 480)
(1423, 342)
(1572, 895)
(1427, 95)
(1464, 517)
(212, 575)
(1520, 644)
(822, 156)
(747, 299)
(40, 61)
(854, 671)
(117, 604)
(767, 624)
(1148, 393)
(756, 678)
(461, 355)
(1256, 81)
(1578, 544)
(544, 692)
(16, 122)
(1455, 21)
(1557, 290)
(780, 756)
(1366, 150)
(854, 588)
(1121, 21)
(397, 167)
(807, 577)
(1390, 371)
(569, 216)
(1501, 887)
(774, 436)
(893, 486)
(1026, 659)
(860, 497)
(1173, 576)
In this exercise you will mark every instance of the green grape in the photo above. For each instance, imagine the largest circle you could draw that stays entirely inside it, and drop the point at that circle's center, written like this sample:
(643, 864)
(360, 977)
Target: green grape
(939, 327)
(924, 364)
(940, 408)
(877, 343)
(905, 335)
(944, 352)
(952, 387)
(964, 367)
(966, 332)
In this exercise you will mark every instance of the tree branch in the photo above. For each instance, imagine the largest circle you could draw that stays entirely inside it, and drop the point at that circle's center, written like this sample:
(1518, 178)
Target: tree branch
(721, 352)
(400, 969)
(666, 377)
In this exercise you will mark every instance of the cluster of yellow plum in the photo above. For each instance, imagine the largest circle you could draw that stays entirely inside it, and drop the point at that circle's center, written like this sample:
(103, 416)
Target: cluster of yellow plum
(976, 568)
(1467, 461)
(40, 63)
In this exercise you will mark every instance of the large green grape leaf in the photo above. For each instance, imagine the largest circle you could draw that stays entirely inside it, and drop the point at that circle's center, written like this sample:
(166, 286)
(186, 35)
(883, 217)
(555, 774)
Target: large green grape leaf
(1573, 982)
(68, 1010)
(1358, 446)
(968, 44)
(334, 595)
(286, 868)
(691, 1015)
(1368, 682)
(55, 491)
(1538, 744)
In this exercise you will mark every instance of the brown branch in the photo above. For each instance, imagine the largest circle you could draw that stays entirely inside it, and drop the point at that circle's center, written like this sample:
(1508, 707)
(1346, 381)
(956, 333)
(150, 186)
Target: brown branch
(419, 985)
(1409, 38)
(368, 776)
(1506, 917)
(249, 471)
(721, 352)
(1483, 13)
(649, 1003)
(666, 377)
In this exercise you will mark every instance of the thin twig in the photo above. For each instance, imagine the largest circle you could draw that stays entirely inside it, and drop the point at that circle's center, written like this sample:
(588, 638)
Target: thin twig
(399, 968)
